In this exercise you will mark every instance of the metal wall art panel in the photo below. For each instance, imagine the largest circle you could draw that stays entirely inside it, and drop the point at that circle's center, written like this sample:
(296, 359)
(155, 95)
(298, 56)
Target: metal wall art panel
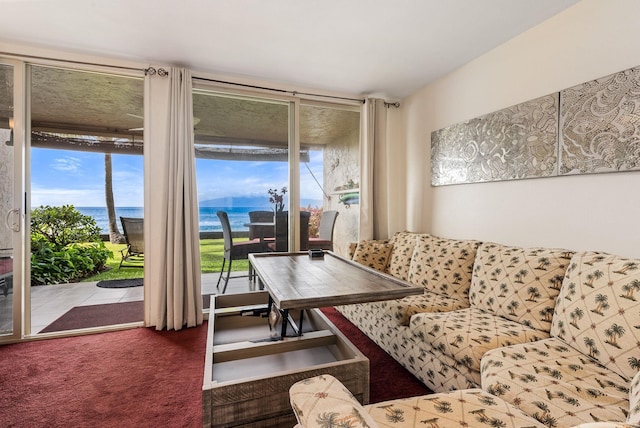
(513, 143)
(600, 123)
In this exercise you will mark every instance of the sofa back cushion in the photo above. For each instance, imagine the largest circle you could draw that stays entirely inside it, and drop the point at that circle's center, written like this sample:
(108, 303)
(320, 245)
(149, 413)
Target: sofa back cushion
(520, 284)
(400, 258)
(373, 254)
(443, 266)
(598, 310)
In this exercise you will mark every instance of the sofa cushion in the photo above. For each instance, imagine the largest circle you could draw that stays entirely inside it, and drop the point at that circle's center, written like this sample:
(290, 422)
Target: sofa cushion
(598, 310)
(373, 254)
(520, 284)
(555, 383)
(443, 266)
(322, 401)
(465, 408)
(465, 335)
(403, 309)
(634, 400)
(400, 259)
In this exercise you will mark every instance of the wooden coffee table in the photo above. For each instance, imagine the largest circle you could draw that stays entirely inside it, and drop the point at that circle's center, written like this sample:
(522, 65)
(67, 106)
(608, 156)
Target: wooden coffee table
(297, 281)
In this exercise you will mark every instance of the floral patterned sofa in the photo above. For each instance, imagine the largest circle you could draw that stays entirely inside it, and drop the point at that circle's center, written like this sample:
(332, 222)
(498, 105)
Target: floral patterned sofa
(554, 333)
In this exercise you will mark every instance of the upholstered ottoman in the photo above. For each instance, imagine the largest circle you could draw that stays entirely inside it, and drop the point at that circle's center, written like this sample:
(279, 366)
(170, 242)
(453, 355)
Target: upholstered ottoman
(322, 401)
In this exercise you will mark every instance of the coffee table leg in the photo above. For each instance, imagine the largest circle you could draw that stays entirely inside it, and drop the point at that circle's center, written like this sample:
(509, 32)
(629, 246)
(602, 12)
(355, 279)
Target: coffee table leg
(286, 318)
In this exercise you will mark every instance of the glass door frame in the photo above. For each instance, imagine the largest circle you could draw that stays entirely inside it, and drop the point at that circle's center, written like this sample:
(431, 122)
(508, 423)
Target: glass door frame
(18, 203)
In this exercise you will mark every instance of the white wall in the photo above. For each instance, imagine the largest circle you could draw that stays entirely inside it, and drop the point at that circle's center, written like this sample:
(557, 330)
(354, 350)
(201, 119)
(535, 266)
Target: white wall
(589, 212)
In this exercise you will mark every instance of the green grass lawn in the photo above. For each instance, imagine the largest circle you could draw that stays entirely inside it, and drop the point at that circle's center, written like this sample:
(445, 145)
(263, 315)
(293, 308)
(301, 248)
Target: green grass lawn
(210, 259)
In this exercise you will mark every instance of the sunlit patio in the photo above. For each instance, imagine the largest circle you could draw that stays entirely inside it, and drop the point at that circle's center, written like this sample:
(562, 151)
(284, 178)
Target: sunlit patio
(50, 302)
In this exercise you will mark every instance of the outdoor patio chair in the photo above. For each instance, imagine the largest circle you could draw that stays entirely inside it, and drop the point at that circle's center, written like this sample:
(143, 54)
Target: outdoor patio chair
(235, 250)
(133, 229)
(325, 240)
(281, 242)
(261, 231)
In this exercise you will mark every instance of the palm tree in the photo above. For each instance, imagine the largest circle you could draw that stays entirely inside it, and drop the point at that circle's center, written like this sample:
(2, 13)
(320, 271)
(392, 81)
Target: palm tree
(576, 315)
(591, 344)
(328, 420)
(597, 274)
(613, 333)
(115, 237)
(442, 406)
(601, 304)
(547, 314)
(534, 293)
(503, 289)
(520, 275)
(556, 282)
(627, 267)
(630, 289)
(457, 278)
(395, 415)
(514, 260)
(512, 306)
(572, 290)
(543, 263)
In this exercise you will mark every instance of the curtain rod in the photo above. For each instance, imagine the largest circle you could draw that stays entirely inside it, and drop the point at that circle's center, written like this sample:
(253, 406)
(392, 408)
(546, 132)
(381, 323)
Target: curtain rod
(21, 56)
(284, 91)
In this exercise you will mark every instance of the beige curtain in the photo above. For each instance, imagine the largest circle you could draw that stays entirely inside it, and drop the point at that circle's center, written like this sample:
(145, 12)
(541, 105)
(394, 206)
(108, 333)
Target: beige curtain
(375, 173)
(172, 260)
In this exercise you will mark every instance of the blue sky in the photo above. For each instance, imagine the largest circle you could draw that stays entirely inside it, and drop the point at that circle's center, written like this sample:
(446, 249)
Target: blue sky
(61, 177)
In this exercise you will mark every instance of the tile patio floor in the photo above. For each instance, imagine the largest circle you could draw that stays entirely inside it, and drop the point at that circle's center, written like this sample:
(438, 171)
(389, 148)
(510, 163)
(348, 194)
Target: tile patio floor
(49, 302)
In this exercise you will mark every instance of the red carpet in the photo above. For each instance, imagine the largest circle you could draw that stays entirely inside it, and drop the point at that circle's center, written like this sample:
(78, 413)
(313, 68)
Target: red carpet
(138, 378)
(132, 378)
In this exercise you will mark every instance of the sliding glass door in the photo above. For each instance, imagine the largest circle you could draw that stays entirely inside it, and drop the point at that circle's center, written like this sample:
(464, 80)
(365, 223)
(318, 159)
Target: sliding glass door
(241, 146)
(255, 156)
(85, 173)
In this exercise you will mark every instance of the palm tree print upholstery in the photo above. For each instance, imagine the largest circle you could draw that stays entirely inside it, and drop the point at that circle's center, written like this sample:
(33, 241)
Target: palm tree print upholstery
(323, 402)
(443, 266)
(373, 254)
(520, 284)
(403, 309)
(401, 254)
(598, 310)
(555, 383)
(466, 335)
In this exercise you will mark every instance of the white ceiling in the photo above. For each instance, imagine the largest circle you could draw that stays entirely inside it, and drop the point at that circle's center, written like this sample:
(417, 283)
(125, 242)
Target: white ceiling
(387, 48)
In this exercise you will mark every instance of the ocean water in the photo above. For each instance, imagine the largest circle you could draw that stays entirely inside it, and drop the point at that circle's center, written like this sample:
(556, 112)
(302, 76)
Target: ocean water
(209, 222)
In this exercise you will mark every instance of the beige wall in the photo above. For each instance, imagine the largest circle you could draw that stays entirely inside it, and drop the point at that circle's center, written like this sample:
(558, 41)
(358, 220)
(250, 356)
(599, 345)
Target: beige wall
(590, 212)
(341, 164)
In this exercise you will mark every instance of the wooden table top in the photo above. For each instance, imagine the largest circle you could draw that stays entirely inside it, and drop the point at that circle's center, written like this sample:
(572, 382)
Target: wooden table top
(296, 281)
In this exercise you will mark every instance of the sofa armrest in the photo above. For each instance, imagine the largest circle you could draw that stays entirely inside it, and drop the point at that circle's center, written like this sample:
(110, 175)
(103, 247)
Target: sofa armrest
(318, 400)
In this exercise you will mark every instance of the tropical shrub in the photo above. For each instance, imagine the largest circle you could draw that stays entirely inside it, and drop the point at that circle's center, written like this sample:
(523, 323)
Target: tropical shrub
(314, 220)
(65, 245)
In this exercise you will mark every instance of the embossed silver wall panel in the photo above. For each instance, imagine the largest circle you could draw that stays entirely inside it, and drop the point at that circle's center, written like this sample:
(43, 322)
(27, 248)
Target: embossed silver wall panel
(600, 122)
(513, 143)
